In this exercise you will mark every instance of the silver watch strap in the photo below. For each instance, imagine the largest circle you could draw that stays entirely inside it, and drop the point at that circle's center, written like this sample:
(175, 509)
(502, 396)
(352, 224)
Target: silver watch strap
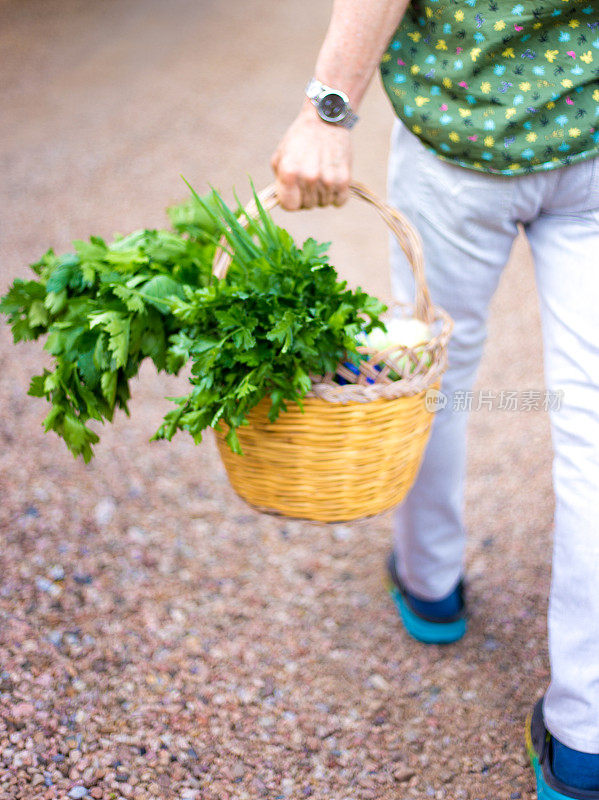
(349, 120)
(314, 88)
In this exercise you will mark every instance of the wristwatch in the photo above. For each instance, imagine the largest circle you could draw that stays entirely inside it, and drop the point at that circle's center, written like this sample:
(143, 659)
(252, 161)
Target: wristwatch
(332, 105)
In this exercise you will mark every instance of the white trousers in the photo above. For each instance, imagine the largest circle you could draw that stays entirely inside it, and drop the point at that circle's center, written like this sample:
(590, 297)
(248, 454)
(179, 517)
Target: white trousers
(468, 221)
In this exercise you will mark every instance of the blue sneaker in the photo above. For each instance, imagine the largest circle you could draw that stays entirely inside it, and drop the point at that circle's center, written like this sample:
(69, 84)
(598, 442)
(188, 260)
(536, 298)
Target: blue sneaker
(422, 620)
(539, 747)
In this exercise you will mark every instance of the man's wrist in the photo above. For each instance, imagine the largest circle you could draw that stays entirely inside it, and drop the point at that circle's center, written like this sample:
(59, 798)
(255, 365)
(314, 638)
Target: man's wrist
(310, 115)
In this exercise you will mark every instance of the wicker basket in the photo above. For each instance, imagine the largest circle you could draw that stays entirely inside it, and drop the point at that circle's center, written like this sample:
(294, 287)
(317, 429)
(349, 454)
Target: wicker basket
(355, 450)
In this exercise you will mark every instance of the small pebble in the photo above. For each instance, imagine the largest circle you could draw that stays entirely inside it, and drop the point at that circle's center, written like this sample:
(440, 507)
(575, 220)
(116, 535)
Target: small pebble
(55, 637)
(56, 572)
(22, 711)
(104, 511)
(378, 682)
(490, 644)
(77, 792)
(342, 533)
(82, 578)
(403, 774)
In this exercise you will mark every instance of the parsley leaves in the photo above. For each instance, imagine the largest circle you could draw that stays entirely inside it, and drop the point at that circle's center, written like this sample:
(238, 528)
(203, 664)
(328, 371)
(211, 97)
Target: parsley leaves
(279, 317)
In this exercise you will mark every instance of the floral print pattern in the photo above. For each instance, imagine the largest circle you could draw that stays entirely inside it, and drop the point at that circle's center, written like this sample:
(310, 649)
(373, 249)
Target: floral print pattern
(497, 85)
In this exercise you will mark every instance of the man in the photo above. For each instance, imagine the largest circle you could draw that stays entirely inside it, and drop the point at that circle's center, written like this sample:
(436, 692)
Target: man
(498, 106)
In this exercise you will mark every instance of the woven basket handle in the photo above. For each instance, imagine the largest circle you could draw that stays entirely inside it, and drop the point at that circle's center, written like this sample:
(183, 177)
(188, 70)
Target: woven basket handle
(405, 233)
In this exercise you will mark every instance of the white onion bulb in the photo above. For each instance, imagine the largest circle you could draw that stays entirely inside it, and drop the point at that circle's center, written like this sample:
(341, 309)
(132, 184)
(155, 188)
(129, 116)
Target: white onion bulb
(400, 331)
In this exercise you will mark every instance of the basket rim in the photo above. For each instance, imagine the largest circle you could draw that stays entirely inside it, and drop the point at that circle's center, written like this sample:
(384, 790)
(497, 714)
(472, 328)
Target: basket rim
(420, 379)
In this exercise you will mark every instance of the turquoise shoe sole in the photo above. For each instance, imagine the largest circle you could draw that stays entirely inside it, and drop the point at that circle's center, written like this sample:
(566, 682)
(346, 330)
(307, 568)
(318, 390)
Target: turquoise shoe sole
(424, 630)
(537, 740)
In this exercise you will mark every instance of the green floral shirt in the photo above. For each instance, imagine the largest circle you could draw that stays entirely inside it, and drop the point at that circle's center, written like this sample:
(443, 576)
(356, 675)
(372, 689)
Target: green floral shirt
(497, 85)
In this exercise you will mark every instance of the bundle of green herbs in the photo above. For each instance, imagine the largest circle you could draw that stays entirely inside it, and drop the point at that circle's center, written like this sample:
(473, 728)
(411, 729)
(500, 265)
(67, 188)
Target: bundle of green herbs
(280, 316)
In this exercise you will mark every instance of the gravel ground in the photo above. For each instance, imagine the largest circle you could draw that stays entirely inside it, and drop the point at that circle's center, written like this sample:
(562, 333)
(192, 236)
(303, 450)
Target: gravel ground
(158, 638)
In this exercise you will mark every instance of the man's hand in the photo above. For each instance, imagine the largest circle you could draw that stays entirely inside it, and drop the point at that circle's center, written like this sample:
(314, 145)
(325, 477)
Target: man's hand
(312, 164)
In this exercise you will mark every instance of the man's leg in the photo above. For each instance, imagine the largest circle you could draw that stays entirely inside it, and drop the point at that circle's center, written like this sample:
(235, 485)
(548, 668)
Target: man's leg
(565, 244)
(465, 222)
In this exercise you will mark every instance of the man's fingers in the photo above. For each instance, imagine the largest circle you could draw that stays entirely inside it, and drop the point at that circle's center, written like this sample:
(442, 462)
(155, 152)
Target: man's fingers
(335, 184)
(341, 197)
(289, 194)
(324, 195)
(303, 192)
(309, 191)
(341, 188)
(288, 186)
(296, 189)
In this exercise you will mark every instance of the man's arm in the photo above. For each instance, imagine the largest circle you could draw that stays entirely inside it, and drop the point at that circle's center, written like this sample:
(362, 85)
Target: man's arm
(312, 164)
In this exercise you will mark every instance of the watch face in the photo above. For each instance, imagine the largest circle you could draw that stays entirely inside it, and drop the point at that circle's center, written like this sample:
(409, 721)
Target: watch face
(333, 106)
